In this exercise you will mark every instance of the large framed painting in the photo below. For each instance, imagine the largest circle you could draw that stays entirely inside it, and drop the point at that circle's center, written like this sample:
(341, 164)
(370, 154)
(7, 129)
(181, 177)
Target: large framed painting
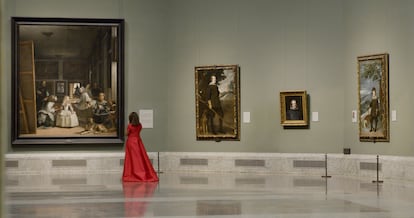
(373, 98)
(67, 81)
(217, 90)
(294, 108)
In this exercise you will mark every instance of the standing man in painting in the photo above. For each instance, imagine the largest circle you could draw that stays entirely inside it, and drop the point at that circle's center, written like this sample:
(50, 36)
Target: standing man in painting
(293, 113)
(42, 94)
(214, 106)
(374, 110)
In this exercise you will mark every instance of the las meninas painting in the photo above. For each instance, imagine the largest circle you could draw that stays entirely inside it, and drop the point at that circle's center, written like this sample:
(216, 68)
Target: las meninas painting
(67, 80)
(373, 98)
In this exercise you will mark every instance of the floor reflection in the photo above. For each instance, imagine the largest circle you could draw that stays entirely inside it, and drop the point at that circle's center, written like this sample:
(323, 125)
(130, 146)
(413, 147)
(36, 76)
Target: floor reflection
(206, 195)
(135, 193)
(214, 207)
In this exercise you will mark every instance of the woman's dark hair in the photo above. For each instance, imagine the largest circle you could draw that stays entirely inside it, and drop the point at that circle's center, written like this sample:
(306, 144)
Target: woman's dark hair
(134, 119)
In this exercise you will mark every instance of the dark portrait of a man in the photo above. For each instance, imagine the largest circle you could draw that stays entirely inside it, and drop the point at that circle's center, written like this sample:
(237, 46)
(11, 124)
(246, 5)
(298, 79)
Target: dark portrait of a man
(217, 102)
(293, 110)
(214, 106)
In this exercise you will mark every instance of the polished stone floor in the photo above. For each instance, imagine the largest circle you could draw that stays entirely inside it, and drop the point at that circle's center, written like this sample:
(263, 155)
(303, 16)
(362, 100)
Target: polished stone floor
(206, 195)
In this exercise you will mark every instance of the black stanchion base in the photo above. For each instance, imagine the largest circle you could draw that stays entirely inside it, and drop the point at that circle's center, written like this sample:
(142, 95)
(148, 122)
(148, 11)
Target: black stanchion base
(326, 176)
(377, 181)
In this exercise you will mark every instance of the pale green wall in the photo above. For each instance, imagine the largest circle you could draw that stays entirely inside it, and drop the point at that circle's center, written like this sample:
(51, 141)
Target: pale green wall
(378, 26)
(279, 45)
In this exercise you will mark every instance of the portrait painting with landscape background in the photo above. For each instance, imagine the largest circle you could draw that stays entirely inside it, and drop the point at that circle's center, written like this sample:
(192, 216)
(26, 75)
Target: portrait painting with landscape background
(217, 102)
(373, 98)
(67, 80)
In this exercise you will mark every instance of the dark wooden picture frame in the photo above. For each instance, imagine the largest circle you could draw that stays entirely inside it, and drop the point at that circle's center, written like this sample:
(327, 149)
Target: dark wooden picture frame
(373, 98)
(217, 102)
(49, 55)
(294, 108)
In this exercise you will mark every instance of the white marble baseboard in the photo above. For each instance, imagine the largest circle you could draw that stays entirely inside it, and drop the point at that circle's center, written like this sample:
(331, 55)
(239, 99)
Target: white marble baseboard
(68, 163)
(391, 167)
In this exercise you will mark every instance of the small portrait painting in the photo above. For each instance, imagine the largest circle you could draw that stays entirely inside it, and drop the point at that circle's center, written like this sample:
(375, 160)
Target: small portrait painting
(293, 108)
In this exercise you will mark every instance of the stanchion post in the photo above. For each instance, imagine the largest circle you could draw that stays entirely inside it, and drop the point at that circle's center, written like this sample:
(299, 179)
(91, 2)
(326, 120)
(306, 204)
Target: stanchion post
(378, 181)
(158, 162)
(326, 167)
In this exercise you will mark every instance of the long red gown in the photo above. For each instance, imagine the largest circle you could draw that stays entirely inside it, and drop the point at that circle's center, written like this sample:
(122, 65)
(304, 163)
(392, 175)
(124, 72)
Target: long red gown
(137, 166)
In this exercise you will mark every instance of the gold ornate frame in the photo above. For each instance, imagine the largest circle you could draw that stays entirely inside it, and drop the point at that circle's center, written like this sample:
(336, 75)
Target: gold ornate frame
(300, 97)
(373, 73)
(220, 122)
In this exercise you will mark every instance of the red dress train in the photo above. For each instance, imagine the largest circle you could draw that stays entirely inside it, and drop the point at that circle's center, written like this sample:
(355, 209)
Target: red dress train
(137, 166)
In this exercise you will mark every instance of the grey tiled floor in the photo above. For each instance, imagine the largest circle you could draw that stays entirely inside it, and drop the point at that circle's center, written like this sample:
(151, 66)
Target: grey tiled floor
(206, 195)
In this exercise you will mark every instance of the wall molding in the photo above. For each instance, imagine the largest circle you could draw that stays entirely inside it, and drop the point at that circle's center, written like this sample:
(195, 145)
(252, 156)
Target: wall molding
(391, 167)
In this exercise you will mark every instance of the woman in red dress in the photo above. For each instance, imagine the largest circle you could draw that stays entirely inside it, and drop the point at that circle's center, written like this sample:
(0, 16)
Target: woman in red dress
(137, 166)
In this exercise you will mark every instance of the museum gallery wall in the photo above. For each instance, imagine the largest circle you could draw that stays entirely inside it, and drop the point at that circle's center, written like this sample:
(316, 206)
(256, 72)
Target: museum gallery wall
(278, 45)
